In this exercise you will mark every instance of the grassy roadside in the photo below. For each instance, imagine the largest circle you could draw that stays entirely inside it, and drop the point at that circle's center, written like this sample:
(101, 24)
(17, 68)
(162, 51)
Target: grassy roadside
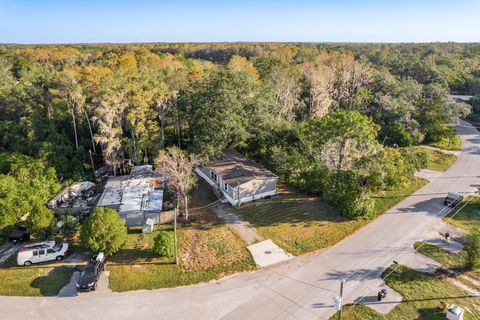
(34, 281)
(437, 160)
(424, 297)
(43, 279)
(300, 223)
(446, 258)
(468, 216)
(384, 200)
(454, 261)
(208, 250)
(450, 141)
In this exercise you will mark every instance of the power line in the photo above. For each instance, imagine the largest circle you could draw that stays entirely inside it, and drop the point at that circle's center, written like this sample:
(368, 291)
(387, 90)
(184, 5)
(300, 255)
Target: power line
(411, 233)
(415, 250)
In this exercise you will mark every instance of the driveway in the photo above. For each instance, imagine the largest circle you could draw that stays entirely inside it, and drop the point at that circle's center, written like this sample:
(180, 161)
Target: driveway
(301, 288)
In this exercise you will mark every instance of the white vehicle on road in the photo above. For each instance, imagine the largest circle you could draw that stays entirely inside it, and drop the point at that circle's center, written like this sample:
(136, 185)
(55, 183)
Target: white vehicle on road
(41, 252)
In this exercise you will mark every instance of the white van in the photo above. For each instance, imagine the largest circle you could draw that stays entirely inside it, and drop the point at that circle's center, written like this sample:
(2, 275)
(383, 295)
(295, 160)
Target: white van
(40, 252)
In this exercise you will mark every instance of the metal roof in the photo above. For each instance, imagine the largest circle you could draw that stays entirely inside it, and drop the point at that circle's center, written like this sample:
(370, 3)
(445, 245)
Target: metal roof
(134, 194)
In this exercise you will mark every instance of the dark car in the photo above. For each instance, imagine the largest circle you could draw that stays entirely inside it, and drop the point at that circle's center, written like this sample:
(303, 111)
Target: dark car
(19, 234)
(453, 198)
(91, 272)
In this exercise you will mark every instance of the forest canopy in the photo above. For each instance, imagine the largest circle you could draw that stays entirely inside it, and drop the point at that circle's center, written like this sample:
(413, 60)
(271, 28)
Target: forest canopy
(316, 114)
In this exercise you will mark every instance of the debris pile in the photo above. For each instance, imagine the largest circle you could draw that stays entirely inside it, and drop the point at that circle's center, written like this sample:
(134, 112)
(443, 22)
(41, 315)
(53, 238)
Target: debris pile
(79, 198)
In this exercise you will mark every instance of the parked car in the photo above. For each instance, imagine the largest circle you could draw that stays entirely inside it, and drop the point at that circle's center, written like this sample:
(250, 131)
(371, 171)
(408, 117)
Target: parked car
(41, 252)
(19, 234)
(91, 273)
(453, 198)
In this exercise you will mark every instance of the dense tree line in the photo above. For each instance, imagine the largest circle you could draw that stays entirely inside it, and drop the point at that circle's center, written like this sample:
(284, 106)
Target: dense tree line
(326, 118)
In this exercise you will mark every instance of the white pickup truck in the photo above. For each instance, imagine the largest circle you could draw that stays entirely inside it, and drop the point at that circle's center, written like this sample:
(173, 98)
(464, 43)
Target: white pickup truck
(41, 252)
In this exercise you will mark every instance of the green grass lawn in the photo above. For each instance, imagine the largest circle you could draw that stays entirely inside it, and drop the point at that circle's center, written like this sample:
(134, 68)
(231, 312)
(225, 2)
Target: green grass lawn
(448, 259)
(468, 216)
(438, 160)
(43, 279)
(384, 200)
(300, 223)
(424, 297)
(451, 260)
(201, 195)
(208, 250)
(451, 140)
(36, 280)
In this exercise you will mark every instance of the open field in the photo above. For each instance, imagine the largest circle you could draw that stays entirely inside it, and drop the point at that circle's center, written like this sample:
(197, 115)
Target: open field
(438, 160)
(208, 250)
(300, 223)
(468, 216)
(424, 297)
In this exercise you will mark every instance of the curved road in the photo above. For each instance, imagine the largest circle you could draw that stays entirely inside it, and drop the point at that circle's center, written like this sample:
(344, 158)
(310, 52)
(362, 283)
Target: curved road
(302, 288)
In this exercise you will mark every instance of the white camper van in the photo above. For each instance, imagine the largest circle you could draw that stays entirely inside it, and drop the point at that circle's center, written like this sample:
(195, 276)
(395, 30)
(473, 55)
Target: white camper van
(40, 252)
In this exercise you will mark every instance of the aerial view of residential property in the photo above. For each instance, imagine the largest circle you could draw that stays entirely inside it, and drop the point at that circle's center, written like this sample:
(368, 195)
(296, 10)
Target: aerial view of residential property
(231, 160)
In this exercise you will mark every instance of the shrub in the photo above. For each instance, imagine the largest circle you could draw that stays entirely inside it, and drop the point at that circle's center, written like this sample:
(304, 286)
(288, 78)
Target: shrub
(345, 193)
(472, 247)
(41, 221)
(104, 231)
(163, 244)
(399, 135)
(70, 226)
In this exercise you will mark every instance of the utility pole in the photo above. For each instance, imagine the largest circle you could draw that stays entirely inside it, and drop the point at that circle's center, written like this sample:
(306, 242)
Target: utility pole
(93, 165)
(341, 300)
(175, 234)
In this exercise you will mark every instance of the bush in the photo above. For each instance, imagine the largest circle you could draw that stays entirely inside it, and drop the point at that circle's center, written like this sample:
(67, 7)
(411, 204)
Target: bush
(415, 158)
(398, 135)
(345, 193)
(41, 221)
(472, 247)
(104, 231)
(70, 226)
(163, 244)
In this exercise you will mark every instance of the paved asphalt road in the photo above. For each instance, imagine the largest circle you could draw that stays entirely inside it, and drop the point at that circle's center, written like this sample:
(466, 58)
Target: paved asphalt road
(302, 288)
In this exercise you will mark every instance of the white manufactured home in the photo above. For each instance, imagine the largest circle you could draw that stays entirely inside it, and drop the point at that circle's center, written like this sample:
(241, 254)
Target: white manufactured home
(239, 179)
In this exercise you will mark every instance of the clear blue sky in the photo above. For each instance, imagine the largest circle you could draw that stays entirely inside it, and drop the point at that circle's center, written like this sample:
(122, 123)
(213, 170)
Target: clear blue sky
(66, 21)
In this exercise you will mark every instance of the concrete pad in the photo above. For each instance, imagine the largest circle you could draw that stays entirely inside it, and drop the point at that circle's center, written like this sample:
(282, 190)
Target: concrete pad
(70, 289)
(7, 250)
(417, 261)
(266, 253)
(102, 284)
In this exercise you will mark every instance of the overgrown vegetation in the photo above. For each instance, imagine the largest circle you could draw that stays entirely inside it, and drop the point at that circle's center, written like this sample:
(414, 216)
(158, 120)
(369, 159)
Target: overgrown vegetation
(330, 112)
(208, 250)
(437, 160)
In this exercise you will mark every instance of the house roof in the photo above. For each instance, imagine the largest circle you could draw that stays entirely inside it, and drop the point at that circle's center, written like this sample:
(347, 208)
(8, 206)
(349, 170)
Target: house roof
(234, 168)
(140, 191)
